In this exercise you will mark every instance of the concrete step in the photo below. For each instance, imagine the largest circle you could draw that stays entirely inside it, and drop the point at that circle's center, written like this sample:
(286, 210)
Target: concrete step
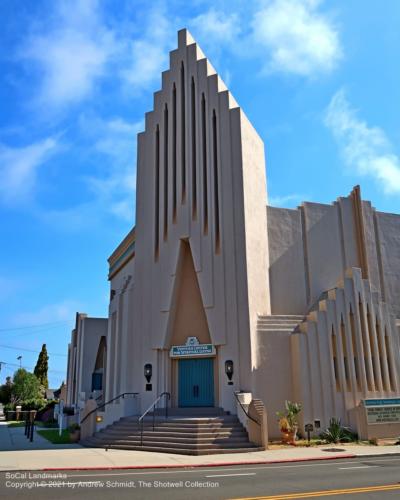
(178, 425)
(175, 432)
(280, 324)
(178, 451)
(275, 329)
(191, 412)
(189, 435)
(277, 319)
(180, 419)
(177, 443)
(174, 444)
(282, 316)
(194, 438)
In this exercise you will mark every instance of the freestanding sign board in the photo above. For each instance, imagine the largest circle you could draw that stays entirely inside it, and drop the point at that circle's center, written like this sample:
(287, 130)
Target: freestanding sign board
(383, 411)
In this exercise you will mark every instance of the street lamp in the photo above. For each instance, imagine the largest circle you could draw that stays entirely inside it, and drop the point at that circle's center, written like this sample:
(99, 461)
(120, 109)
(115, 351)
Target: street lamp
(20, 362)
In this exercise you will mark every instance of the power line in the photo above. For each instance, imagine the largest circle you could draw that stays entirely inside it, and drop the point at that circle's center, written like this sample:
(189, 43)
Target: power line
(33, 326)
(30, 368)
(32, 332)
(31, 350)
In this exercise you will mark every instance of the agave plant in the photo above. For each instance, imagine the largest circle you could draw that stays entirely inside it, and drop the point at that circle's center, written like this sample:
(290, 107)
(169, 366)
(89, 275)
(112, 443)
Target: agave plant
(336, 433)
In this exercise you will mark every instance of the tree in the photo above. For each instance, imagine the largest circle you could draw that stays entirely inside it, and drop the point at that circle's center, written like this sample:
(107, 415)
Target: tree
(42, 367)
(5, 391)
(25, 387)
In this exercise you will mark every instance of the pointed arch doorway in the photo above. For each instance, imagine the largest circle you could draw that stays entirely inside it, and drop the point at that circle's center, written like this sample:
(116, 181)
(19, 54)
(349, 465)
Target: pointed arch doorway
(194, 368)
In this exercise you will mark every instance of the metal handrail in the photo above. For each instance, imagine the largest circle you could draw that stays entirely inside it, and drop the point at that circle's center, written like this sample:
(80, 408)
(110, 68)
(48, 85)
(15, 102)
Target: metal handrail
(108, 402)
(153, 406)
(243, 408)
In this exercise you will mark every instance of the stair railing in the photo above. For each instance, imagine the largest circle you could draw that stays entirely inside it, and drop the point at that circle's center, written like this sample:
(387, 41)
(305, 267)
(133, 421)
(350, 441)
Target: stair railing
(153, 407)
(244, 409)
(108, 402)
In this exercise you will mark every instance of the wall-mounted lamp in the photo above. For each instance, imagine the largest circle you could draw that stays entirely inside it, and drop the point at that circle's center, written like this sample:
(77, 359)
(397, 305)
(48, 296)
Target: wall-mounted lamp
(99, 419)
(148, 372)
(229, 369)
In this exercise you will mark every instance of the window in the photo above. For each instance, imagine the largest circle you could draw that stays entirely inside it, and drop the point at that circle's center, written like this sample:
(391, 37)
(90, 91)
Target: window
(165, 172)
(183, 134)
(174, 153)
(157, 194)
(216, 182)
(204, 144)
(334, 360)
(194, 166)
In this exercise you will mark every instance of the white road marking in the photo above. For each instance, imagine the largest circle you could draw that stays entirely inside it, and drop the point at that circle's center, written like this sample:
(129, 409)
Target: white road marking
(199, 469)
(361, 467)
(231, 475)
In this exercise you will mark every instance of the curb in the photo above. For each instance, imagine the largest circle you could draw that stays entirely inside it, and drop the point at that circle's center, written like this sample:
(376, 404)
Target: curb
(212, 464)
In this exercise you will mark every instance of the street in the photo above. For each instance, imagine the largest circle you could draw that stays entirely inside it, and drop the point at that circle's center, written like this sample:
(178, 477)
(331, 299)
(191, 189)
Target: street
(371, 478)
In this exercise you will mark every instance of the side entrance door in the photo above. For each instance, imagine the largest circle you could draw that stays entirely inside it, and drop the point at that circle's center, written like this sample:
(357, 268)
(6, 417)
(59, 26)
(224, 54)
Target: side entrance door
(196, 382)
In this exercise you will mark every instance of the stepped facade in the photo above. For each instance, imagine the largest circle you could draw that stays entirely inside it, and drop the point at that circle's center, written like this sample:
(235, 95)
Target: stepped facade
(214, 292)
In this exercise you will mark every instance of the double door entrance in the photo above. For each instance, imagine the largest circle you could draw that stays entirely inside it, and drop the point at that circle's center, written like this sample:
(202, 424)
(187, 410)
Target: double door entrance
(196, 382)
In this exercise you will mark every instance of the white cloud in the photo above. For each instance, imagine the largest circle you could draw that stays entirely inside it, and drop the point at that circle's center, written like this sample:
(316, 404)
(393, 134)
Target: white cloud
(297, 37)
(9, 287)
(144, 58)
(110, 149)
(19, 168)
(365, 149)
(216, 27)
(286, 200)
(61, 311)
(72, 54)
(115, 186)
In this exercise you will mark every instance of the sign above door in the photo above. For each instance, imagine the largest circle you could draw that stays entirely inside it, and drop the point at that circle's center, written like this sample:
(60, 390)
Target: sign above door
(192, 348)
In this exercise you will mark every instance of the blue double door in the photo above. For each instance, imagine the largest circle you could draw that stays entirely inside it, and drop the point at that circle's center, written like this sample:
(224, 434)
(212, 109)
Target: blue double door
(196, 382)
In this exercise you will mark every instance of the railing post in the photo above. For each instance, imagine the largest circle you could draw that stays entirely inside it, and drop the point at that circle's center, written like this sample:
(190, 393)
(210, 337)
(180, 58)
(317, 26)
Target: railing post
(154, 416)
(141, 432)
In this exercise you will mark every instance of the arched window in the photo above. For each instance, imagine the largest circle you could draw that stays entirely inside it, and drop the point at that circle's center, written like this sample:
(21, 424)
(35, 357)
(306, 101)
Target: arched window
(204, 144)
(157, 193)
(194, 152)
(389, 361)
(174, 153)
(165, 172)
(355, 352)
(216, 182)
(334, 360)
(183, 134)
(345, 356)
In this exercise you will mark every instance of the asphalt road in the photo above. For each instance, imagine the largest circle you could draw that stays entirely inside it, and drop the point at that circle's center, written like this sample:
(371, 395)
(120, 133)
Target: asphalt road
(370, 478)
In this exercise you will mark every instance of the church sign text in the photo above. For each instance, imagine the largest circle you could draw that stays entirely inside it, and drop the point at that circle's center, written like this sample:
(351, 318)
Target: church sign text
(192, 348)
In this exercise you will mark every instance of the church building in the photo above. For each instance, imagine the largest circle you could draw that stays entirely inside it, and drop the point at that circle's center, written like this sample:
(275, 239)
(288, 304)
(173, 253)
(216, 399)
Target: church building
(221, 301)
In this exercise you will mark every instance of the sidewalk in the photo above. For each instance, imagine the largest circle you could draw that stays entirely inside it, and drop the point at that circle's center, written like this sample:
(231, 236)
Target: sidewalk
(42, 455)
(13, 439)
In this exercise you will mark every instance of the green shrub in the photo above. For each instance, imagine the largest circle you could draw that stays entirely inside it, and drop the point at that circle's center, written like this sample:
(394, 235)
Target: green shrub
(33, 404)
(288, 418)
(336, 433)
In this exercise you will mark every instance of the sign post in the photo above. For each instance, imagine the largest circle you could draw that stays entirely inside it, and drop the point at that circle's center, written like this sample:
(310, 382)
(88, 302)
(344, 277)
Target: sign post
(60, 416)
(309, 428)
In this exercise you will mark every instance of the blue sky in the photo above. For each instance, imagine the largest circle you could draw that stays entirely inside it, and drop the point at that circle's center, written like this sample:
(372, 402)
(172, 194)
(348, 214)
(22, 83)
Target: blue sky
(319, 80)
